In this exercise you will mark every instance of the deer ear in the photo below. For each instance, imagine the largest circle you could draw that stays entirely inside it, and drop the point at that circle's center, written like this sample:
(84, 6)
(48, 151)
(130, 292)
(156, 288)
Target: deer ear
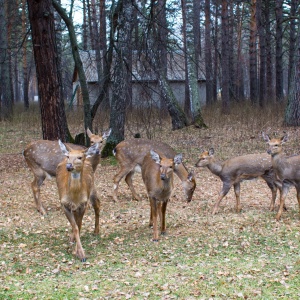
(190, 176)
(106, 134)
(265, 137)
(155, 156)
(211, 151)
(92, 150)
(88, 132)
(63, 148)
(284, 139)
(178, 159)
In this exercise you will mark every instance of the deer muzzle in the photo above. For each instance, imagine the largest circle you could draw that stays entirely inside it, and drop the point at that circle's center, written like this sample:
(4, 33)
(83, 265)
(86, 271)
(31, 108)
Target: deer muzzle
(69, 167)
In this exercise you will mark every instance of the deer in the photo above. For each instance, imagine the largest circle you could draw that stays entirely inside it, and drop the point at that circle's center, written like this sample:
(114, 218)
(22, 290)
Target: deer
(75, 183)
(234, 170)
(130, 155)
(286, 168)
(157, 173)
(43, 157)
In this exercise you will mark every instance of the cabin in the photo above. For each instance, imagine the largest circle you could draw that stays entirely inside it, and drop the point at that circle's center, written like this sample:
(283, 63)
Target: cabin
(145, 90)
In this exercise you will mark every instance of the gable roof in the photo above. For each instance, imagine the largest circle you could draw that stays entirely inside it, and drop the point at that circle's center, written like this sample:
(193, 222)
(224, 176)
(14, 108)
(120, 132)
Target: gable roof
(141, 70)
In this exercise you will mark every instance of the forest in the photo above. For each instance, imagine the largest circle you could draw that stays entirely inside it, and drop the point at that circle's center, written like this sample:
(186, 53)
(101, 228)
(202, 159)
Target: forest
(207, 90)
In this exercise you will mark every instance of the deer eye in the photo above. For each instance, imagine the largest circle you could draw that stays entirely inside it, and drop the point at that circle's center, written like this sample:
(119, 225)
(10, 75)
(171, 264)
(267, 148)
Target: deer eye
(79, 157)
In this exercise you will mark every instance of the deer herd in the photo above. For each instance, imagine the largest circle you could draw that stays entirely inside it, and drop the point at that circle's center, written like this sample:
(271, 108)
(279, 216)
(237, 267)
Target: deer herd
(74, 167)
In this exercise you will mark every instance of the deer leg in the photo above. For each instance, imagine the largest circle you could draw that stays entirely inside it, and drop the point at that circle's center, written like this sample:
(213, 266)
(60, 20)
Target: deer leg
(163, 217)
(151, 216)
(96, 205)
(298, 196)
(273, 187)
(222, 194)
(237, 191)
(35, 185)
(128, 180)
(283, 194)
(154, 210)
(123, 172)
(75, 233)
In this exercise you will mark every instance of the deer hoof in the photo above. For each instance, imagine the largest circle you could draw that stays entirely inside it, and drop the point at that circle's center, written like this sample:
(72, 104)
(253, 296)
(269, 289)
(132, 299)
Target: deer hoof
(155, 240)
(163, 233)
(83, 259)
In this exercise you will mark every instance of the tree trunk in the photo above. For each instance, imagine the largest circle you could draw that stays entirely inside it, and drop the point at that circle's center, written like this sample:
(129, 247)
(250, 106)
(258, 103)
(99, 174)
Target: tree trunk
(187, 100)
(216, 55)
(225, 60)
(6, 108)
(192, 78)
(240, 93)
(120, 90)
(292, 112)
(41, 16)
(293, 40)
(269, 54)
(253, 54)
(279, 51)
(262, 55)
(78, 65)
(24, 60)
(208, 58)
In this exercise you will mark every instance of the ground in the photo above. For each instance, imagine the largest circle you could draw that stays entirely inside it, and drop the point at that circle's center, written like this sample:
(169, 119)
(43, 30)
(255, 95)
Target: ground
(226, 256)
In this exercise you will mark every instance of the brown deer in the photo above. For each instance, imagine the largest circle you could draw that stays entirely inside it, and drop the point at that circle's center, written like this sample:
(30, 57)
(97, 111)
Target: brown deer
(286, 168)
(42, 157)
(75, 182)
(130, 155)
(234, 170)
(157, 174)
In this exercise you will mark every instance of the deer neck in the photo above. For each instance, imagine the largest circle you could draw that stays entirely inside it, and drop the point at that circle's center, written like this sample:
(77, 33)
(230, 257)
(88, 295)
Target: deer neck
(75, 182)
(215, 167)
(181, 171)
(278, 160)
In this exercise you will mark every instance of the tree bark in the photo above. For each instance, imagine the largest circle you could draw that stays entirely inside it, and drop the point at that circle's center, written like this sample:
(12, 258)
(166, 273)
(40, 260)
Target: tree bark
(293, 40)
(262, 55)
(269, 54)
(279, 50)
(41, 16)
(292, 112)
(192, 78)
(6, 107)
(208, 58)
(24, 56)
(225, 60)
(253, 54)
(122, 74)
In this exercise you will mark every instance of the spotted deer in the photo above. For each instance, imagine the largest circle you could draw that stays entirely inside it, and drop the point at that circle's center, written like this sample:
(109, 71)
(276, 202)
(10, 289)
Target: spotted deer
(43, 157)
(234, 170)
(286, 168)
(157, 174)
(130, 155)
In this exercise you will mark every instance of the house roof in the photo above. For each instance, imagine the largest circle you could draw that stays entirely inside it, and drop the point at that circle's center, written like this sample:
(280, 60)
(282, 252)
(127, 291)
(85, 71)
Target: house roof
(141, 70)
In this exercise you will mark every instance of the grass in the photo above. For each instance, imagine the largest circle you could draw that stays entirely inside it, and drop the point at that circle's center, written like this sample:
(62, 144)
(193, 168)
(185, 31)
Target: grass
(226, 256)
